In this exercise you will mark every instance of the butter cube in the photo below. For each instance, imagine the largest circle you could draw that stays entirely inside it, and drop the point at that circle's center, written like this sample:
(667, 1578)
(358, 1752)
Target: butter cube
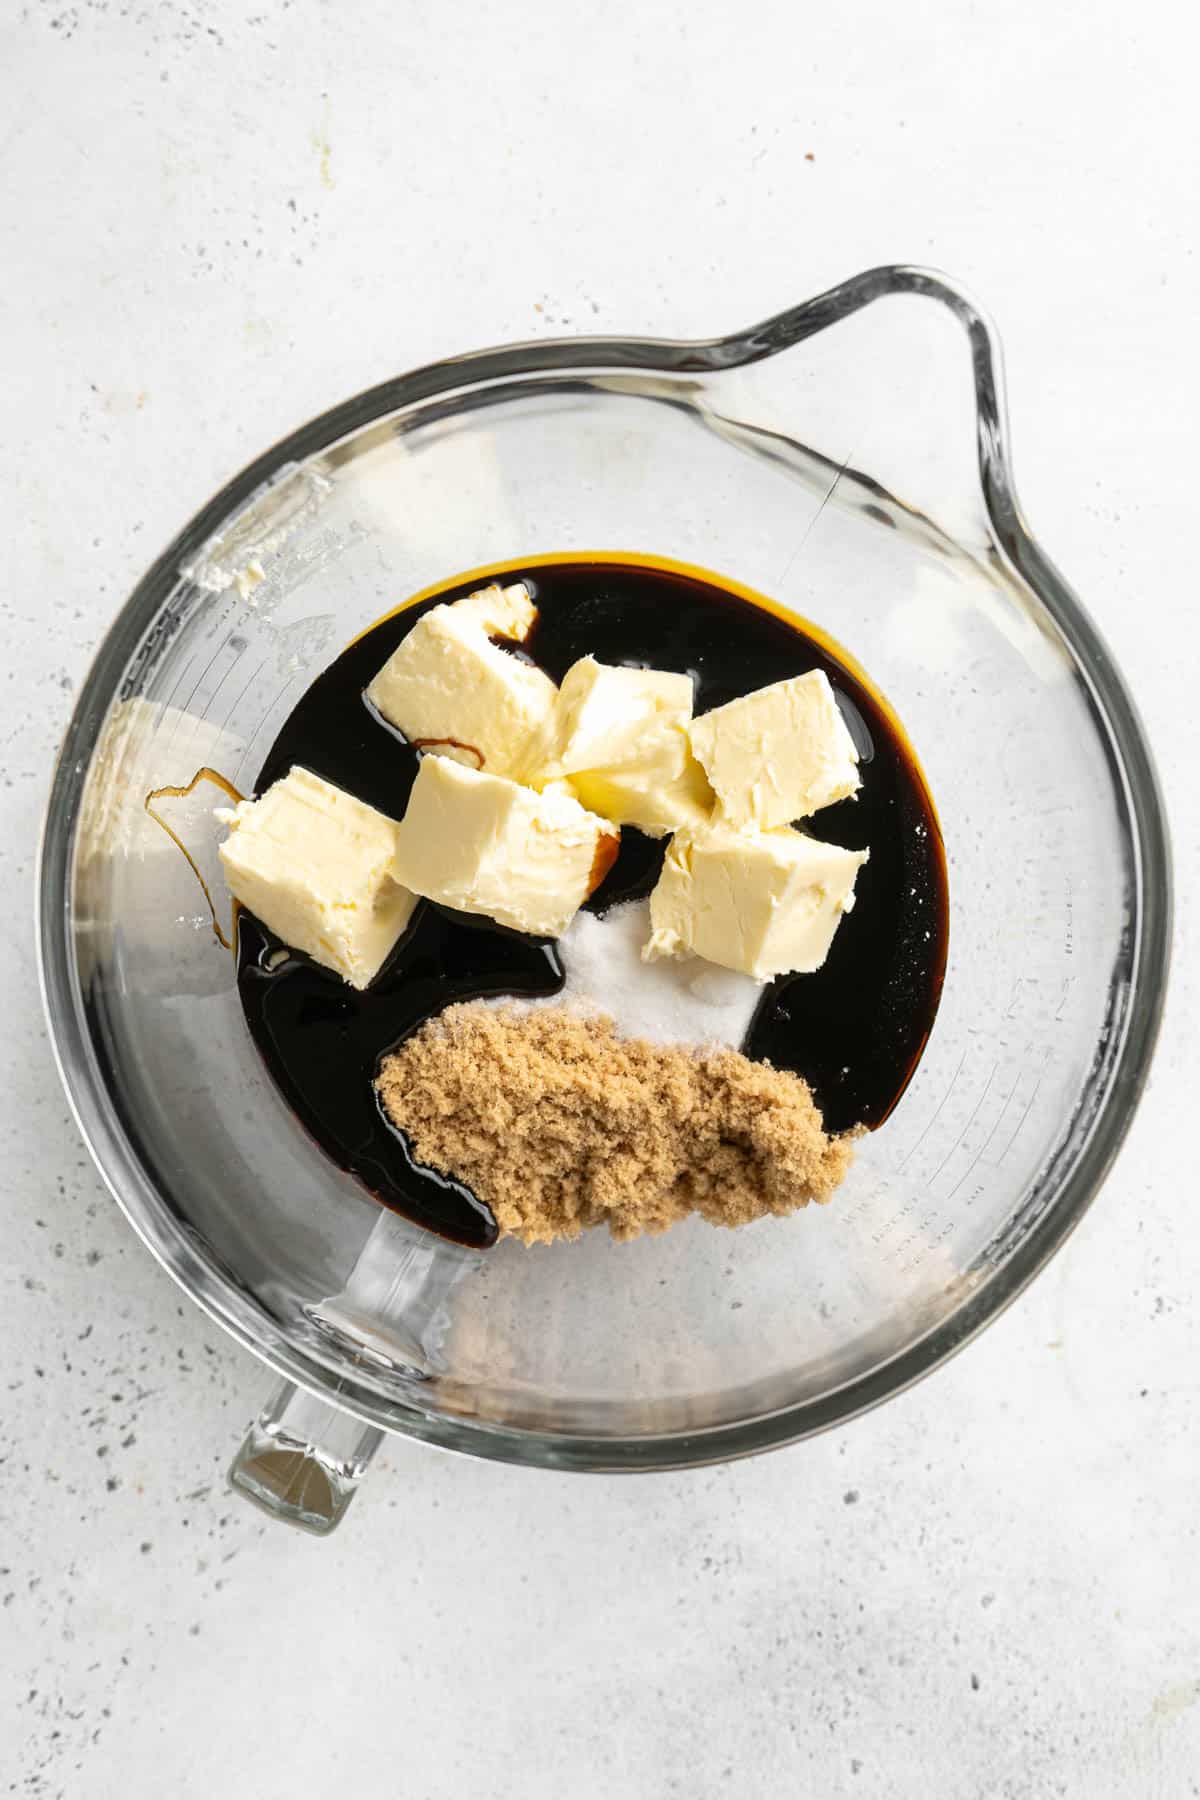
(779, 754)
(314, 864)
(483, 844)
(451, 691)
(764, 902)
(620, 737)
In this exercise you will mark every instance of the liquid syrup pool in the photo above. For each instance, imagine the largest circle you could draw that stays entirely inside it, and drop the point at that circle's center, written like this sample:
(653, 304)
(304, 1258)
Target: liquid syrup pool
(855, 1030)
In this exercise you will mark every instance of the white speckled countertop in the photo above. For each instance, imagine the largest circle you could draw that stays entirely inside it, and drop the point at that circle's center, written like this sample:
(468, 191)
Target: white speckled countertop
(214, 222)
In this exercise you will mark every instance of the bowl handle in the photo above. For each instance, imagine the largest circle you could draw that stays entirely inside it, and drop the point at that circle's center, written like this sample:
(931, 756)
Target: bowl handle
(302, 1460)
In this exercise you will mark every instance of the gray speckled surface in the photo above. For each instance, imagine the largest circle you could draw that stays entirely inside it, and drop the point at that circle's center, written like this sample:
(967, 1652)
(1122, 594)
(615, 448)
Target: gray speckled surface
(214, 223)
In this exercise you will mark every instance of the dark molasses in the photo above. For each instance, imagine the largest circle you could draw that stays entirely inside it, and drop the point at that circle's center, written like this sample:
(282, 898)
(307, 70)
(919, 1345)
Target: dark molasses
(854, 1031)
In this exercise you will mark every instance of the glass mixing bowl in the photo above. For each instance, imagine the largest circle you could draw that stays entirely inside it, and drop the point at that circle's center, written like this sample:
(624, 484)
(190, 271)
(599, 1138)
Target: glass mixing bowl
(848, 458)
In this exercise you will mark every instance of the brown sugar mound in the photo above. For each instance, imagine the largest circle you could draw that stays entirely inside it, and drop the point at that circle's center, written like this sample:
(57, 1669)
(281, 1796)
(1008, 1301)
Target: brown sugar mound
(558, 1124)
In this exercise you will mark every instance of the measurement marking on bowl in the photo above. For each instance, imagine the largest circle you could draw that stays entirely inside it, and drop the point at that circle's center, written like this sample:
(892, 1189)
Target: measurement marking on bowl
(1016, 1131)
(242, 695)
(183, 710)
(168, 742)
(223, 645)
(239, 647)
(999, 1119)
(933, 1121)
(1016, 995)
(180, 678)
(183, 713)
(301, 675)
(978, 1156)
(961, 1138)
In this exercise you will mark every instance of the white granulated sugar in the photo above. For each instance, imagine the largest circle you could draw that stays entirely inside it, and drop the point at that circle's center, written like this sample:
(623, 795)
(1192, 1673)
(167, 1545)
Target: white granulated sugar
(676, 1000)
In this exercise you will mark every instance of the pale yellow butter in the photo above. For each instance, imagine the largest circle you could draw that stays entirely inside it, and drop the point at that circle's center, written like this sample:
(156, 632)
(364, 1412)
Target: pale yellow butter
(777, 755)
(314, 864)
(620, 738)
(451, 691)
(764, 902)
(483, 844)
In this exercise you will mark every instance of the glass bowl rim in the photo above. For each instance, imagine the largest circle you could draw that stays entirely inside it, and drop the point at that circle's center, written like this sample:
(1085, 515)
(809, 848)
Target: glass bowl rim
(1133, 772)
